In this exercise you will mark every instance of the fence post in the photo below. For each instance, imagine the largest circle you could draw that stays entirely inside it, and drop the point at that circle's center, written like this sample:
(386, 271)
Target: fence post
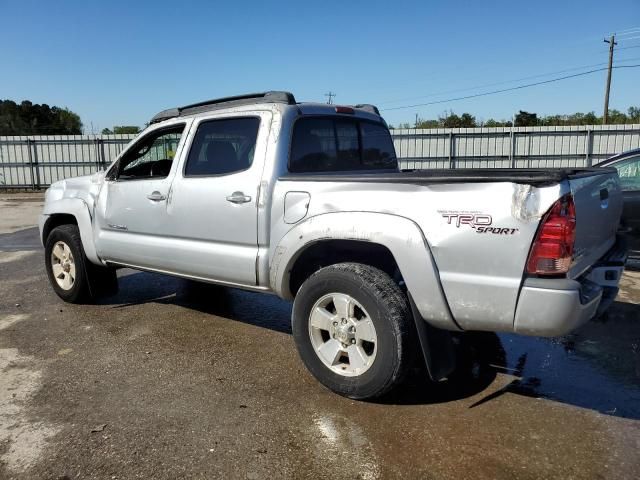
(33, 163)
(589, 148)
(512, 148)
(452, 146)
(103, 160)
(96, 150)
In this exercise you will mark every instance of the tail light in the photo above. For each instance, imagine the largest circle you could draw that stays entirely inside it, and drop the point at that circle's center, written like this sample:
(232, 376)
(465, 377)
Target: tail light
(552, 249)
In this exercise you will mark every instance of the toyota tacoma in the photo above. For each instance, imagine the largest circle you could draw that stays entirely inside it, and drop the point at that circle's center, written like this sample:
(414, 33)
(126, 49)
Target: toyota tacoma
(306, 201)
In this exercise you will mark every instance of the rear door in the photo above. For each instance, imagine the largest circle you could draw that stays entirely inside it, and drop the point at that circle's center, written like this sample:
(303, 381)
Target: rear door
(212, 208)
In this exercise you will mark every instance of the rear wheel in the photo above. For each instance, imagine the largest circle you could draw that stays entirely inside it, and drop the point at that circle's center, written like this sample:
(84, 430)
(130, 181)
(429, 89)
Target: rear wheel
(352, 326)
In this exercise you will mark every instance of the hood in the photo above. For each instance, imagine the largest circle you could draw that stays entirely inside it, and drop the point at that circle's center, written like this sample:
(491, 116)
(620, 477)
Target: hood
(86, 188)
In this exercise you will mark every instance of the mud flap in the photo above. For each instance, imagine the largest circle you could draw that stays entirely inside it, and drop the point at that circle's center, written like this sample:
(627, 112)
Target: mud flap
(103, 281)
(436, 346)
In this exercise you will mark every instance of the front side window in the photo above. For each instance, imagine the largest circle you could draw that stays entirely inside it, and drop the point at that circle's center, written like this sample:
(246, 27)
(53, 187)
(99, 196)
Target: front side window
(629, 173)
(152, 156)
(222, 147)
(336, 144)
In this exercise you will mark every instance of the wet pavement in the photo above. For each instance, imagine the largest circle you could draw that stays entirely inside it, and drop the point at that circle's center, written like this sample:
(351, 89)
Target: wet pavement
(169, 379)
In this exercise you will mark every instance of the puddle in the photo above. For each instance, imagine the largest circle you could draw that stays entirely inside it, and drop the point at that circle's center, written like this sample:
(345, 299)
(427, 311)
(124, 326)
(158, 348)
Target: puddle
(343, 442)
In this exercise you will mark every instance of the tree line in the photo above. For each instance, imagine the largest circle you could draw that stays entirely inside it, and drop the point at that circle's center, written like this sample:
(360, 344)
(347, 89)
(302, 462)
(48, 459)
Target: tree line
(29, 118)
(525, 119)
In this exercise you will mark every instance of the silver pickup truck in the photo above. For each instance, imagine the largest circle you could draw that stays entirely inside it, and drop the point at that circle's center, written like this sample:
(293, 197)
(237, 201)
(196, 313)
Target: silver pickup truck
(305, 201)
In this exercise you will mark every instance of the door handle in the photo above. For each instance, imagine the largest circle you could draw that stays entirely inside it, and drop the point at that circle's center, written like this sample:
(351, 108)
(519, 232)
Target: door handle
(156, 196)
(238, 197)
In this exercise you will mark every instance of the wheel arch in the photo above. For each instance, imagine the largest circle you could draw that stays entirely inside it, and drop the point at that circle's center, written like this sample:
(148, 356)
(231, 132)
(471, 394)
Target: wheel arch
(71, 211)
(378, 239)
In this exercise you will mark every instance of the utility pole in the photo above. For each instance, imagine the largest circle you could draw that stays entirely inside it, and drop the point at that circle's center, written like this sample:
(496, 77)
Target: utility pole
(605, 115)
(330, 95)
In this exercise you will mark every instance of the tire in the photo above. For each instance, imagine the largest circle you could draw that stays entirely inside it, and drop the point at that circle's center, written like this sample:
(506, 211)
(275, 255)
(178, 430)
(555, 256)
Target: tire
(360, 371)
(74, 278)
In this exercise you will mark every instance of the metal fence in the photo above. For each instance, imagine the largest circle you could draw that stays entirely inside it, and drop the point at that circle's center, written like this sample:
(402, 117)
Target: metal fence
(37, 161)
(519, 147)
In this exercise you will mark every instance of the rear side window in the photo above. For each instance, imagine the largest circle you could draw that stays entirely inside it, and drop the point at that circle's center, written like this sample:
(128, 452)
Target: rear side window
(335, 144)
(222, 147)
(377, 146)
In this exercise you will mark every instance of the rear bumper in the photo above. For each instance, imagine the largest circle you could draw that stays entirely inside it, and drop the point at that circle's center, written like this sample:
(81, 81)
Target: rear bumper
(553, 307)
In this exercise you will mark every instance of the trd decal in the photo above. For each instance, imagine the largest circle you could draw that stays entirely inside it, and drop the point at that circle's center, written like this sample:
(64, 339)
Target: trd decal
(480, 222)
(467, 219)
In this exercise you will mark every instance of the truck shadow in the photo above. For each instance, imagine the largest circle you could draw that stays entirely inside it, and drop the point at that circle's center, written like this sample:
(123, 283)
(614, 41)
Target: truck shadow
(138, 288)
(597, 367)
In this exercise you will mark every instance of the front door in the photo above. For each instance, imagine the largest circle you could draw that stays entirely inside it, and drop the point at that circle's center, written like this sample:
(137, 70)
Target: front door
(131, 212)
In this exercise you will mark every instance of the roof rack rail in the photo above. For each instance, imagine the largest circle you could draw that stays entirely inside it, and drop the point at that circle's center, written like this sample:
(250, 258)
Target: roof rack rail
(248, 99)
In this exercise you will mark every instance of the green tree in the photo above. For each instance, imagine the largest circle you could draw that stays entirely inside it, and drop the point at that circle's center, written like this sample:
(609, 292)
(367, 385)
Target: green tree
(427, 124)
(617, 117)
(634, 114)
(491, 123)
(35, 119)
(451, 120)
(526, 119)
(126, 129)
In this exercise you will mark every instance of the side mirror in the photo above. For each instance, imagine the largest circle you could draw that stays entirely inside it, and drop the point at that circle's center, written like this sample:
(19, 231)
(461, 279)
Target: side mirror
(112, 174)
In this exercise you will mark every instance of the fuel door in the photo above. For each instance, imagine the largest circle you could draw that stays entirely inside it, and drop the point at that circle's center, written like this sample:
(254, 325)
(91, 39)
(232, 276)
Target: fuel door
(296, 206)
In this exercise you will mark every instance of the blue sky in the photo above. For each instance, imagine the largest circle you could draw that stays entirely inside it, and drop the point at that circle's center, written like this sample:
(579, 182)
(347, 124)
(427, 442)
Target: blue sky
(120, 62)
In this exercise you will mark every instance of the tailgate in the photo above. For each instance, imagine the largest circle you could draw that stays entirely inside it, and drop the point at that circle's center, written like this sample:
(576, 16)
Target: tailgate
(598, 200)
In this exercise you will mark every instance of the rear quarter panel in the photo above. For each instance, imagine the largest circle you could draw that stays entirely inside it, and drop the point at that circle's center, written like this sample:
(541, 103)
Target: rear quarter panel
(480, 271)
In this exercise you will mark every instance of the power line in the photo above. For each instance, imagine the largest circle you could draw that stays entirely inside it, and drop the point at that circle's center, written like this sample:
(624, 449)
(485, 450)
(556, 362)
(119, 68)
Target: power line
(625, 31)
(493, 84)
(519, 87)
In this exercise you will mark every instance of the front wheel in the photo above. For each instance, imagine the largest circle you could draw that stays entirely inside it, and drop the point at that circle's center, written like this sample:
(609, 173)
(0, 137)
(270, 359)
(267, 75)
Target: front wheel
(74, 278)
(352, 326)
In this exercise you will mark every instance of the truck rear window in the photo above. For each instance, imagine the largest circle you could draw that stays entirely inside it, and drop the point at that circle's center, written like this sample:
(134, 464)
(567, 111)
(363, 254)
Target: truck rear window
(337, 144)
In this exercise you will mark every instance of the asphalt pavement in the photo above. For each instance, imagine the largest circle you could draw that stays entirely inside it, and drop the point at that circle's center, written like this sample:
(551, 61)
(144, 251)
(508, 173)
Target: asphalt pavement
(168, 379)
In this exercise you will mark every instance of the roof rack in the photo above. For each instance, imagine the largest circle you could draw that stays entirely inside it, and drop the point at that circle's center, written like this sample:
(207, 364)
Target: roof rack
(248, 99)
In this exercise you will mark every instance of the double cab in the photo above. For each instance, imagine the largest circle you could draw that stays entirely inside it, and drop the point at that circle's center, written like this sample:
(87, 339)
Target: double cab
(306, 201)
